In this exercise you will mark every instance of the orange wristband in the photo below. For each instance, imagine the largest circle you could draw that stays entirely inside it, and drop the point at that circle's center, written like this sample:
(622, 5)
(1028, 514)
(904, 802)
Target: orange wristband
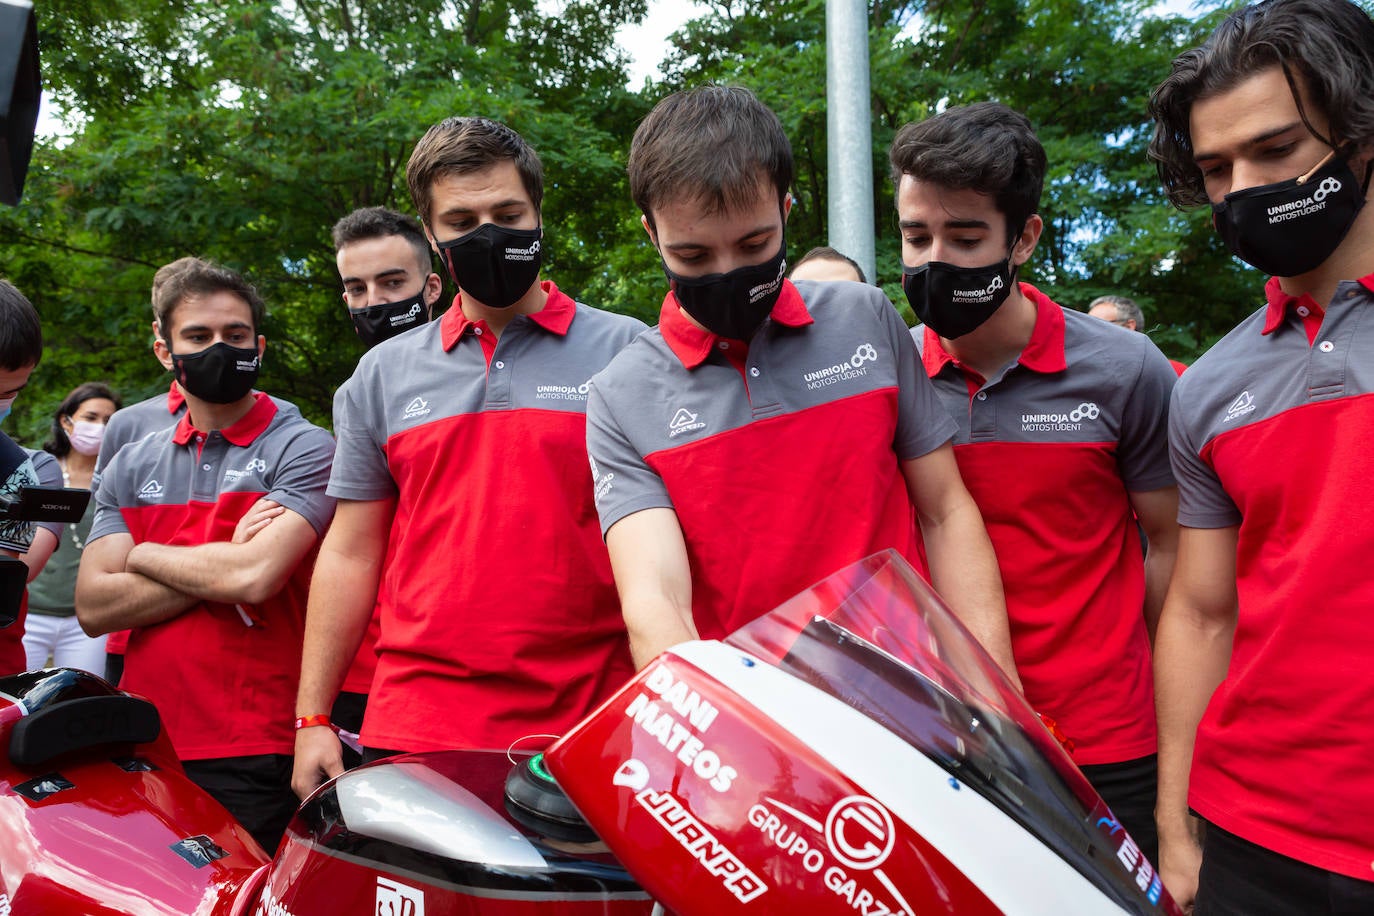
(311, 721)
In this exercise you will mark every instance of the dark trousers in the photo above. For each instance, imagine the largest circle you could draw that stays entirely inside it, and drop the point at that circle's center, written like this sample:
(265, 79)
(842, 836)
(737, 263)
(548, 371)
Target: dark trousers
(1129, 789)
(1239, 878)
(256, 790)
(378, 753)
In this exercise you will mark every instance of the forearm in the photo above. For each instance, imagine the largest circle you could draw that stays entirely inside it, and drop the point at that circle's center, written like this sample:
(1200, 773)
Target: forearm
(1191, 655)
(39, 552)
(123, 601)
(655, 626)
(342, 597)
(218, 571)
(963, 569)
(1159, 568)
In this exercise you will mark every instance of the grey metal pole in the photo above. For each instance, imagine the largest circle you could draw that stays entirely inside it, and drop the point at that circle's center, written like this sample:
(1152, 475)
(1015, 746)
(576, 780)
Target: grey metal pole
(850, 137)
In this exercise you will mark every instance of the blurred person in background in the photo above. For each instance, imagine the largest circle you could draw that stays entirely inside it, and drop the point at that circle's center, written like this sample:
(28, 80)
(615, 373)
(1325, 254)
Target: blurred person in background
(52, 631)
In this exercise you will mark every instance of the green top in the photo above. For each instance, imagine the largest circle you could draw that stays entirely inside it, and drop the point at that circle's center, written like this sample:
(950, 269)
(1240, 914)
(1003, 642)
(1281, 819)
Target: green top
(52, 593)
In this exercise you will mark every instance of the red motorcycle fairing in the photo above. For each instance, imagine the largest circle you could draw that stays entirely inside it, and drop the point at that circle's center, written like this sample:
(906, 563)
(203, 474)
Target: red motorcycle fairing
(427, 835)
(852, 752)
(96, 816)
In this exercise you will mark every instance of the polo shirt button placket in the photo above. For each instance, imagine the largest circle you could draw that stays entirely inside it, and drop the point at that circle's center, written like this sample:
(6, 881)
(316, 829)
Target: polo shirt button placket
(982, 418)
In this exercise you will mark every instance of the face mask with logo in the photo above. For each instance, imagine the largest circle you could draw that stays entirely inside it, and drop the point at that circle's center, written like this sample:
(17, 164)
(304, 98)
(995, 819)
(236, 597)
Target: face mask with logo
(219, 374)
(86, 436)
(1290, 227)
(494, 265)
(953, 301)
(376, 323)
(732, 304)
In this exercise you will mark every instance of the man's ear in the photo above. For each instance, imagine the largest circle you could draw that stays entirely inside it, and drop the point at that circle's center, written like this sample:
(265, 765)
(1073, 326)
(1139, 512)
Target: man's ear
(649, 228)
(432, 290)
(434, 246)
(787, 201)
(161, 350)
(1027, 240)
(262, 348)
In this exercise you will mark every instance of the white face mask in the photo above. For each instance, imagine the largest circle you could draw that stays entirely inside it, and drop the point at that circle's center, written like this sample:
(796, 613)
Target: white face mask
(86, 436)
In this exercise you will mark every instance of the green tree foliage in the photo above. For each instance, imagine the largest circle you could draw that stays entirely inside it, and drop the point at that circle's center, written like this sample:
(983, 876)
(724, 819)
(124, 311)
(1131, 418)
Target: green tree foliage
(241, 131)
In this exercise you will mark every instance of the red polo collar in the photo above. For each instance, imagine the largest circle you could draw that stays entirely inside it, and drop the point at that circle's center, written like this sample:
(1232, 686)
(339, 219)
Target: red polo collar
(1044, 352)
(691, 344)
(555, 317)
(1280, 303)
(243, 432)
(175, 398)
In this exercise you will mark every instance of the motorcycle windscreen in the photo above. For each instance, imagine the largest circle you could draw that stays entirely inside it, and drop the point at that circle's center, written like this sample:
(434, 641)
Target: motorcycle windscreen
(877, 637)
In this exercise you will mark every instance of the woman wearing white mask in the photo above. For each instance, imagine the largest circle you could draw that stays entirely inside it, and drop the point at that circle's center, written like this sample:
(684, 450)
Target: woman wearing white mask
(51, 630)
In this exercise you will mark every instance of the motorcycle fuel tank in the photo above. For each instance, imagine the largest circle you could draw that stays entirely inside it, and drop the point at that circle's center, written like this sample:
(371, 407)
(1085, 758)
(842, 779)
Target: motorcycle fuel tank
(427, 835)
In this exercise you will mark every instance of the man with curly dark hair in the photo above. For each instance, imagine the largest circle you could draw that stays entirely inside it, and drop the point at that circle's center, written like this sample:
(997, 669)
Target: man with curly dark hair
(1262, 680)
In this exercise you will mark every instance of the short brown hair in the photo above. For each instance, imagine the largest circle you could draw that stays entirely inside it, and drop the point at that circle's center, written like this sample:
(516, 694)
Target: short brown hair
(716, 144)
(21, 333)
(984, 147)
(190, 278)
(456, 146)
(379, 223)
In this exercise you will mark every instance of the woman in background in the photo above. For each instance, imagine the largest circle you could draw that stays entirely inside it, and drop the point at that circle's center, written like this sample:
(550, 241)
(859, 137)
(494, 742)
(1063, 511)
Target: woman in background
(51, 630)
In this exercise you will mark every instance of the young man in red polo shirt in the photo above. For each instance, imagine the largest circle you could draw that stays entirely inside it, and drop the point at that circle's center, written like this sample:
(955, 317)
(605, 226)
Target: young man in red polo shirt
(216, 610)
(765, 434)
(465, 511)
(1262, 661)
(1062, 440)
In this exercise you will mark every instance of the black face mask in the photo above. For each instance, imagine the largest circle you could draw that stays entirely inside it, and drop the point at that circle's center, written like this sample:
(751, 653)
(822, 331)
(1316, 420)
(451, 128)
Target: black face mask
(1290, 227)
(494, 265)
(953, 301)
(219, 374)
(732, 304)
(376, 323)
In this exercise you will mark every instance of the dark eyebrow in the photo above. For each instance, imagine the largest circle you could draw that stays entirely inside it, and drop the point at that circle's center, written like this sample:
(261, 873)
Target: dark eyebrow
(752, 233)
(205, 329)
(1257, 140)
(948, 224)
(456, 210)
(381, 274)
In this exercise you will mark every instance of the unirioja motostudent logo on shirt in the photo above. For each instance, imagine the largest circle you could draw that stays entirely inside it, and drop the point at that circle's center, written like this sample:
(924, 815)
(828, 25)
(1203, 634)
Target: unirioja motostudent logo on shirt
(844, 370)
(1061, 421)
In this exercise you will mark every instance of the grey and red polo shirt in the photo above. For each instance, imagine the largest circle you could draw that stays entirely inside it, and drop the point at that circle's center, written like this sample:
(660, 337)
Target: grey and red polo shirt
(129, 424)
(782, 457)
(223, 676)
(1272, 431)
(1049, 449)
(162, 411)
(499, 618)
